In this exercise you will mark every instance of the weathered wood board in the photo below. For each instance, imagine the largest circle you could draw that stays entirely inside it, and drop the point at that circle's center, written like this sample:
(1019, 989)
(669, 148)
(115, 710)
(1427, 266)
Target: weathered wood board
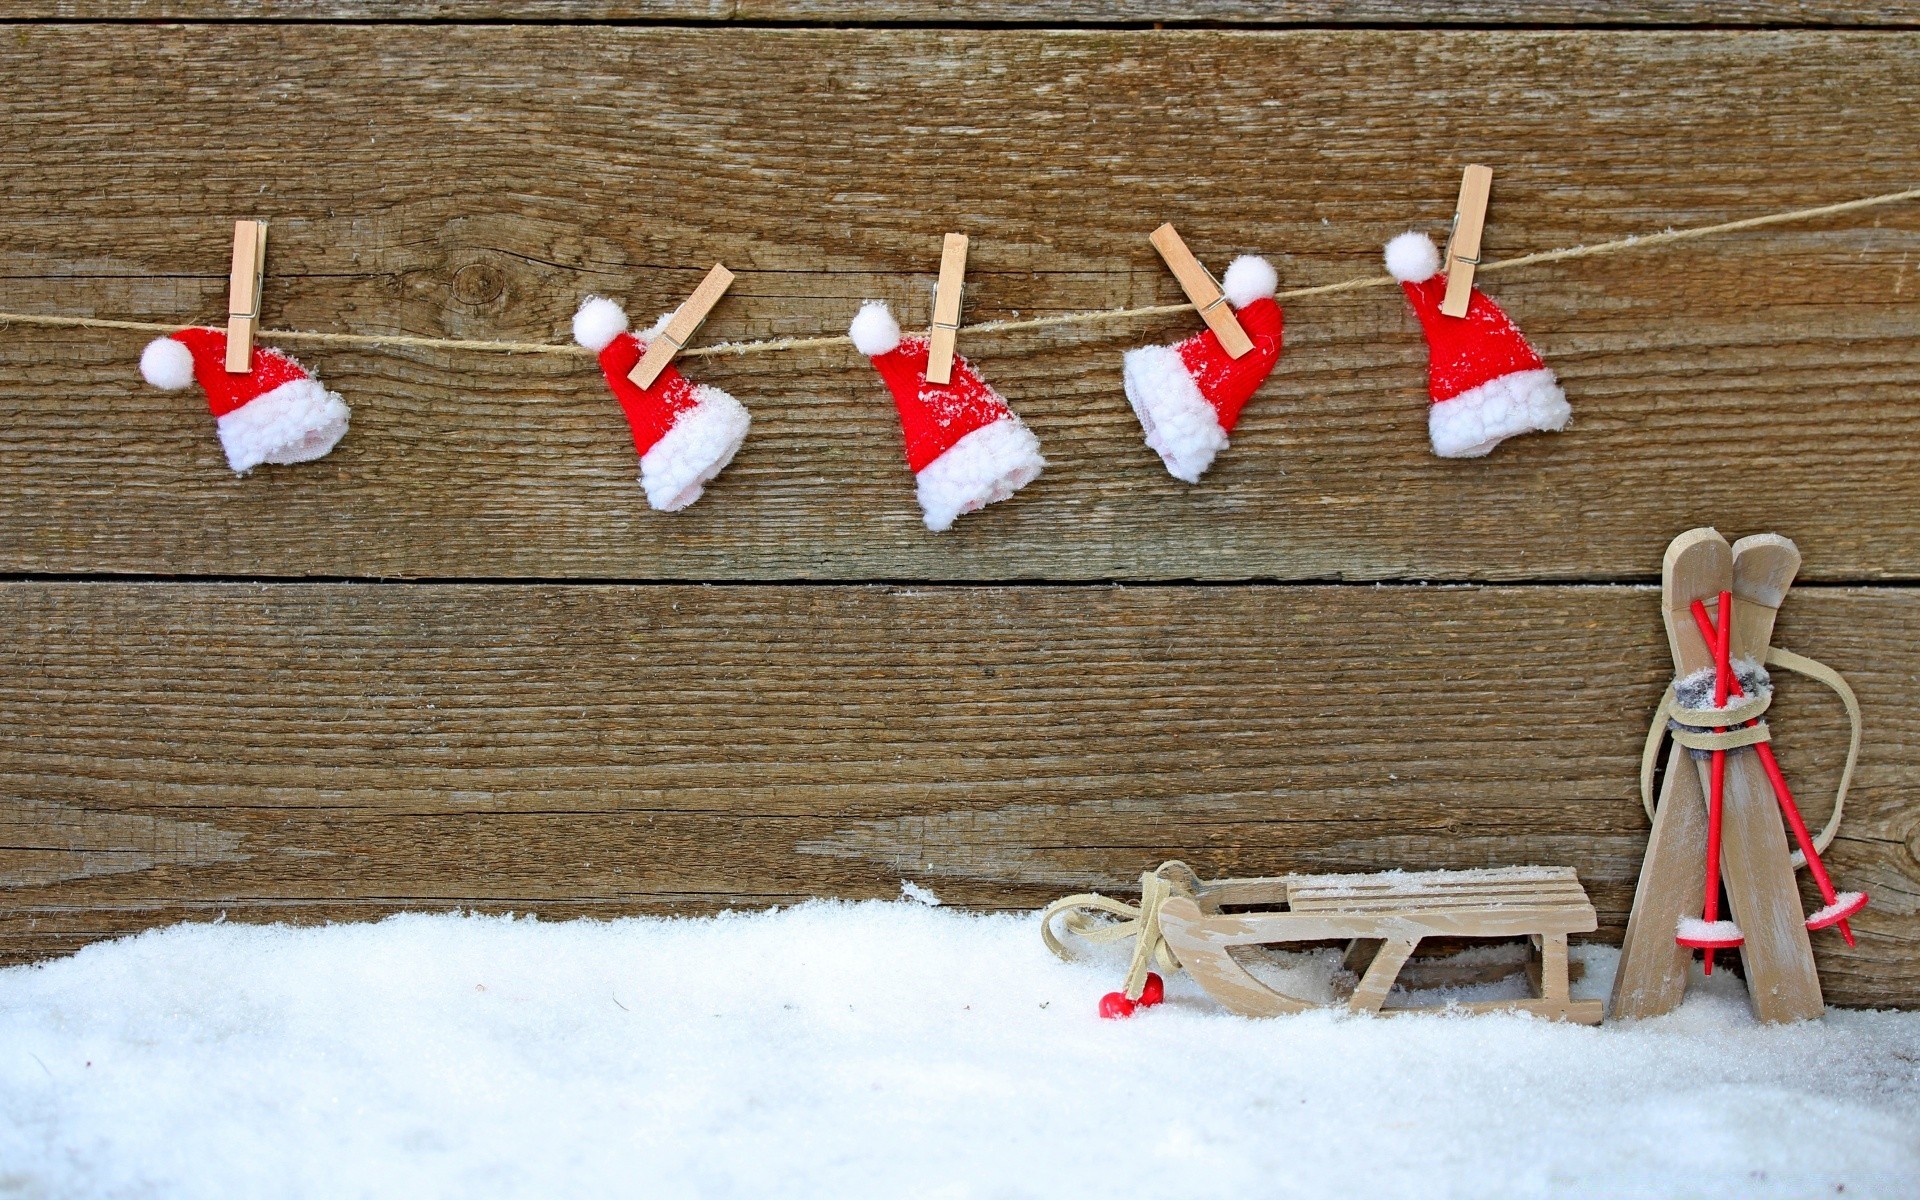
(310, 751)
(542, 738)
(1725, 13)
(476, 181)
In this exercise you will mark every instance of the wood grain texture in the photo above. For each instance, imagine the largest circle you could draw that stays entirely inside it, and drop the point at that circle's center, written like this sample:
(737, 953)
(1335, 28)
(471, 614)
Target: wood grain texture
(1651, 976)
(1724, 13)
(477, 181)
(325, 751)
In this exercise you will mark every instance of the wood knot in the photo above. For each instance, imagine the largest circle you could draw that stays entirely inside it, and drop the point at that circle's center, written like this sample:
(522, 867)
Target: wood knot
(478, 283)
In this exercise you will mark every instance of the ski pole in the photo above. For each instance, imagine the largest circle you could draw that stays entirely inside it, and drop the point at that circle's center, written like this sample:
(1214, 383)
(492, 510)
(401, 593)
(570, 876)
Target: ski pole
(1781, 793)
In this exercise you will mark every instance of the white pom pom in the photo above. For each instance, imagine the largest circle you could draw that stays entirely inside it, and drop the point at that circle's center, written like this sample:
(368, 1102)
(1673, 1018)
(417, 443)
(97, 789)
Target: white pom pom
(1249, 278)
(167, 364)
(598, 322)
(1412, 257)
(874, 331)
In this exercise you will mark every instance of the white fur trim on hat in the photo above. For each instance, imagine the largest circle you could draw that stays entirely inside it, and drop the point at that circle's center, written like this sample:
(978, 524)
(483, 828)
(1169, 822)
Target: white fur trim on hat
(598, 322)
(1413, 258)
(1478, 419)
(700, 444)
(1249, 278)
(167, 363)
(1179, 423)
(874, 331)
(984, 467)
(296, 422)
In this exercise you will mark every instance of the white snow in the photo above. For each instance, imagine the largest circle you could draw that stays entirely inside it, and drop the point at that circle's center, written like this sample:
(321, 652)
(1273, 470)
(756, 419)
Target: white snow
(909, 890)
(1694, 929)
(879, 1049)
(1843, 902)
(1414, 883)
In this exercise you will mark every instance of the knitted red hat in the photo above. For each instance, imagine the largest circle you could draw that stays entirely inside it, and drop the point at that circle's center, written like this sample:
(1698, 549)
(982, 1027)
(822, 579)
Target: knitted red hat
(1189, 396)
(965, 446)
(275, 413)
(1487, 383)
(686, 433)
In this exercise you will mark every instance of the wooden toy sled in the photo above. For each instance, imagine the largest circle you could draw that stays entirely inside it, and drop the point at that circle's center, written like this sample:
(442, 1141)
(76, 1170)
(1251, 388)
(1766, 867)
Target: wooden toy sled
(1184, 921)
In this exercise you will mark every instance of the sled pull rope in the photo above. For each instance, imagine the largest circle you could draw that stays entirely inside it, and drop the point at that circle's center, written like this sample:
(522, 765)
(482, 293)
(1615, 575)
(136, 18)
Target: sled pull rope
(1141, 922)
(1799, 664)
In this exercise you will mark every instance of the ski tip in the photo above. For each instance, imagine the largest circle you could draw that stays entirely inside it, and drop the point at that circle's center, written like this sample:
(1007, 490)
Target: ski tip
(1764, 565)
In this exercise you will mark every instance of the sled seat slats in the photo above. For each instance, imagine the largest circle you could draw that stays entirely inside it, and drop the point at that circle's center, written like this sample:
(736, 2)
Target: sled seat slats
(1504, 888)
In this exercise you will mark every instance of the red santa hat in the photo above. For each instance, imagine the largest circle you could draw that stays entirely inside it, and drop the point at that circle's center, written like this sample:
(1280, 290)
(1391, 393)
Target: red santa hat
(1487, 383)
(1189, 396)
(277, 412)
(686, 433)
(965, 446)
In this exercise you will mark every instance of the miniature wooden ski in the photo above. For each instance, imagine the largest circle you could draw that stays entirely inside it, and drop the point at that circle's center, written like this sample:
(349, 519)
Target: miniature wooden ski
(1776, 953)
(1719, 604)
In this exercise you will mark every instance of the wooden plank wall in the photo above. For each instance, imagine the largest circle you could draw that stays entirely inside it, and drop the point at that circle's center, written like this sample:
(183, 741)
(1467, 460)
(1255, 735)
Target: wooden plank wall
(459, 663)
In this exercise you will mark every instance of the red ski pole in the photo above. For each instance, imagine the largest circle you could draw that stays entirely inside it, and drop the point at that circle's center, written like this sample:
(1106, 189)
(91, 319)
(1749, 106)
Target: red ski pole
(1716, 793)
(1709, 933)
(1784, 795)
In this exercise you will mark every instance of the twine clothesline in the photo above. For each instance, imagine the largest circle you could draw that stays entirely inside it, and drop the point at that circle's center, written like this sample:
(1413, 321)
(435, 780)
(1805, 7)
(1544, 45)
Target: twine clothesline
(1093, 317)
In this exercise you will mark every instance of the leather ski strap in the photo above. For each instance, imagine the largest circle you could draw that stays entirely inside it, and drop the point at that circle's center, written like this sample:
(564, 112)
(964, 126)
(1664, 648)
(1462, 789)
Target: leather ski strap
(1799, 664)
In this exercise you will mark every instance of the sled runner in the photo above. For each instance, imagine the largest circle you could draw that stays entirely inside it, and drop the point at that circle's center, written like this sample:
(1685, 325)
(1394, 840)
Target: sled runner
(1184, 921)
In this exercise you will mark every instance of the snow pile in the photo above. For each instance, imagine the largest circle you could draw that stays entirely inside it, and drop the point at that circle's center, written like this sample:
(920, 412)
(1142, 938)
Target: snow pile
(879, 1049)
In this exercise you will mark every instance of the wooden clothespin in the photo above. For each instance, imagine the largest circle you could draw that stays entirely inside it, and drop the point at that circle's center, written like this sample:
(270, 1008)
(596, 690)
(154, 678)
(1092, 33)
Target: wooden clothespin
(946, 308)
(686, 319)
(1203, 289)
(1463, 246)
(243, 293)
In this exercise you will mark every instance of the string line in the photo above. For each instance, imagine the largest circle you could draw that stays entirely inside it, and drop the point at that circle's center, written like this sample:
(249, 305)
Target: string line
(1094, 317)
